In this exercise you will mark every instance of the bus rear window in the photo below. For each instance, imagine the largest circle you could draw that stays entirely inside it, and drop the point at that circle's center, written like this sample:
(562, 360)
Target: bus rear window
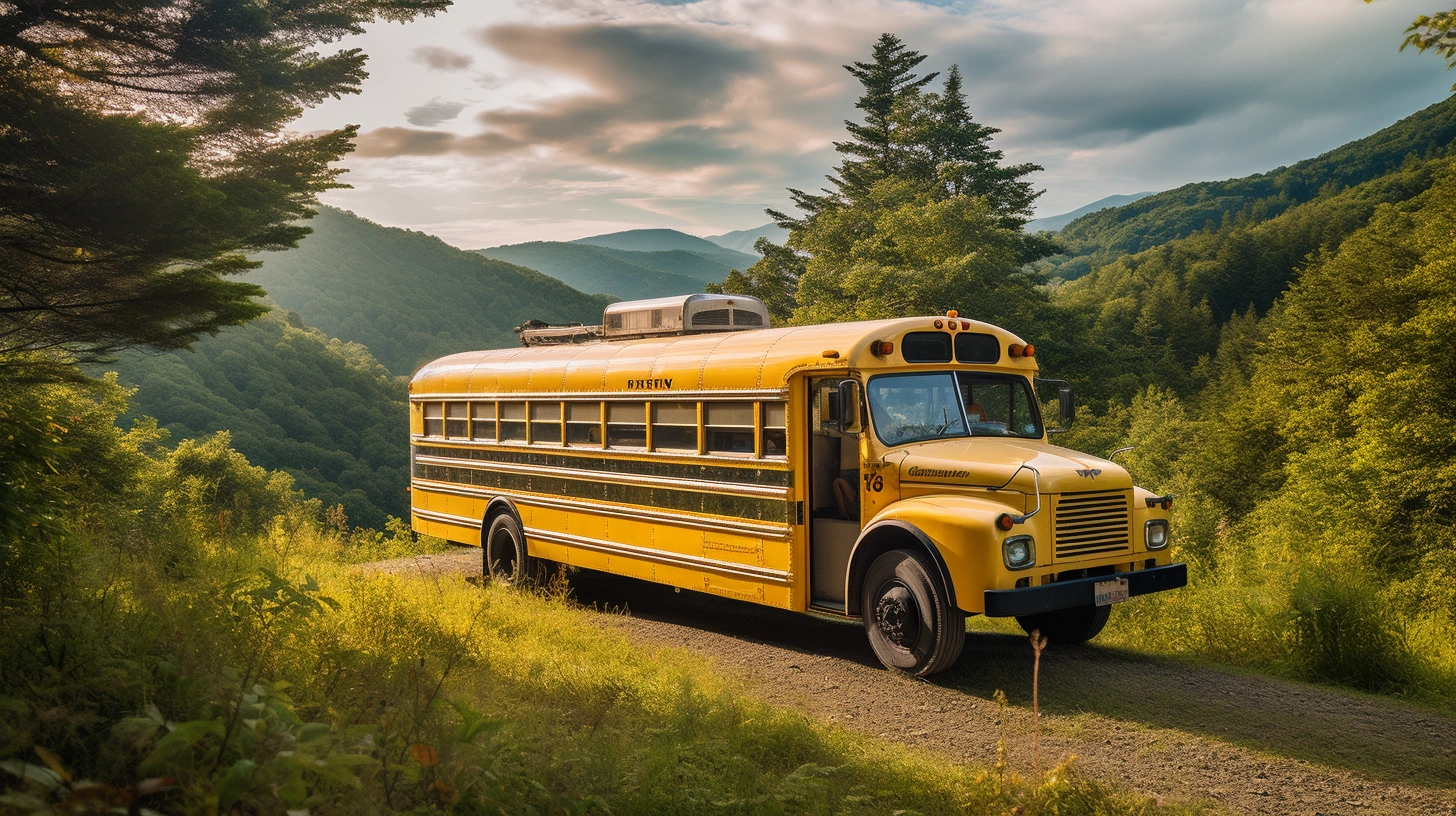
(926, 347)
(977, 348)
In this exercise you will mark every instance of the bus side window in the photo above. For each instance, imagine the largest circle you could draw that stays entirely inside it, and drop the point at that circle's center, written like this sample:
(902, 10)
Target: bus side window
(729, 427)
(627, 425)
(482, 421)
(457, 423)
(434, 419)
(584, 423)
(773, 443)
(513, 421)
(675, 426)
(546, 423)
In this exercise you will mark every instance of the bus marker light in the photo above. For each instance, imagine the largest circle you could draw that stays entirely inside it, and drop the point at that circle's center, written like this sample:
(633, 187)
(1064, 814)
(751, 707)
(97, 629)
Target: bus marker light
(1005, 521)
(1015, 350)
(939, 324)
(830, 354)
(965, 325)
(952, 314)
(882, 348)
(1029, 351)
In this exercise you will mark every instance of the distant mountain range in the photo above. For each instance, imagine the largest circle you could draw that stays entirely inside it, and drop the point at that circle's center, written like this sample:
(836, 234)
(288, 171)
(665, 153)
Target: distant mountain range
(1053, 223)
(631, 265)
(410, 297)
(743, 240)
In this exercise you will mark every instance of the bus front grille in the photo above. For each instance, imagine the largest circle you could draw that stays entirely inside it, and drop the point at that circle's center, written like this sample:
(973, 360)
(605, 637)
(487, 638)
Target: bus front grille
(1091, 524)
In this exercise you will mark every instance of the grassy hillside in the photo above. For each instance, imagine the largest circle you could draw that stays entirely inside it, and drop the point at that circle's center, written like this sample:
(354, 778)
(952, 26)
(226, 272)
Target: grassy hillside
(410, 297)
(626, 273)
(294, 400)
(1101, 236)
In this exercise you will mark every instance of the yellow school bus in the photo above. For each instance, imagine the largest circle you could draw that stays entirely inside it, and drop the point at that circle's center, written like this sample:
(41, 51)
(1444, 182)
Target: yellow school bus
(898, 471)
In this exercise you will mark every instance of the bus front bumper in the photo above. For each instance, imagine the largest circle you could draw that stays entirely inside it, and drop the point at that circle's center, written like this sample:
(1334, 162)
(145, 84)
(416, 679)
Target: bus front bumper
(1003, 603)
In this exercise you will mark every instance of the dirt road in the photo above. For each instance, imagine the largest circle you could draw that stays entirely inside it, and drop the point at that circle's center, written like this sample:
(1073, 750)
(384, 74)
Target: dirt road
(1183, 732)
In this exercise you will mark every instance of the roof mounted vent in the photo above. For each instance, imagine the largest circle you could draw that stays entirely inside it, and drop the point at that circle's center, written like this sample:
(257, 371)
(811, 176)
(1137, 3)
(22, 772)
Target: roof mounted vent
(683, 314)
(659, 317)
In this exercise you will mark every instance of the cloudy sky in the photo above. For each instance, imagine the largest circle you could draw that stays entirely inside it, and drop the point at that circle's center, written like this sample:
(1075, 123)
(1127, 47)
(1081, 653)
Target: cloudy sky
(504, 121)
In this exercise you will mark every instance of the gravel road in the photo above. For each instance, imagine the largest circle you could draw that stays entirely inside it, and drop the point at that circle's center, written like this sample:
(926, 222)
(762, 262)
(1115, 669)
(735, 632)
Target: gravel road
(1175, 730)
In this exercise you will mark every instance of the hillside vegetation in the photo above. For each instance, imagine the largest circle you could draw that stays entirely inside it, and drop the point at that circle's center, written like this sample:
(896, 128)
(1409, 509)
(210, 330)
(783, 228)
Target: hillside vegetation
(321, 410)
(410, 297)
(186, 634)
(1101, 236)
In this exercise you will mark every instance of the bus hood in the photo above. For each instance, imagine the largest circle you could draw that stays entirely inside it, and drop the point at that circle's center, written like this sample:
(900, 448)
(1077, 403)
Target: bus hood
(995, 462)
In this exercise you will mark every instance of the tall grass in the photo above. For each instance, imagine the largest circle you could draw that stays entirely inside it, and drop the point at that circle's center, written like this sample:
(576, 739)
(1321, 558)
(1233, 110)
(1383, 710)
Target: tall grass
(280, 676)
(187, 634)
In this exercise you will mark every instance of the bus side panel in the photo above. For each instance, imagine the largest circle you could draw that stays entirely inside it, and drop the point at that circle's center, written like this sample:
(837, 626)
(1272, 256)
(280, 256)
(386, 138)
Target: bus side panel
(671, 553)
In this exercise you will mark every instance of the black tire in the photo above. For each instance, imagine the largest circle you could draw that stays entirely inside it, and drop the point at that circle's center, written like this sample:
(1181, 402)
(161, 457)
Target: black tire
(1068, 627)
(504, 557)
(908, 617)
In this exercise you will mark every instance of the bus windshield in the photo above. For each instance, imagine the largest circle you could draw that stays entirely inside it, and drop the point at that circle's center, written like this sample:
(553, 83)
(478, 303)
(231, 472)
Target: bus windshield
(945, 404)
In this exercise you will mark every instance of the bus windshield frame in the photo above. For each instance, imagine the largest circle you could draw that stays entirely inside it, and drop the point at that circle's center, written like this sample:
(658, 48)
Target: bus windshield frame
(922, 406)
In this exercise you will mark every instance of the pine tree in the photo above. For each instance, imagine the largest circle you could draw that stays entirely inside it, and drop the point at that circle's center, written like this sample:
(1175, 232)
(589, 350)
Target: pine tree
(921, 214)
(143, 152)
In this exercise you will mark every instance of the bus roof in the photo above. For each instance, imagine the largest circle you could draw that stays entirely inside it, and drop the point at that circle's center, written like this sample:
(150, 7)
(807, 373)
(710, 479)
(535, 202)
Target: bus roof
(759, 360)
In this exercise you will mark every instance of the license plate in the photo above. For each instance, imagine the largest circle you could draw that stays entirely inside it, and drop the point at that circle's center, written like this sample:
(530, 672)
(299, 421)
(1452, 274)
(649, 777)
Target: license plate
(1105, 593)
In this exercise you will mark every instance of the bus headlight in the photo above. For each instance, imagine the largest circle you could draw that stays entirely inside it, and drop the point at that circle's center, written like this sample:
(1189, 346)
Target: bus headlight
(1019, 552)
(1155, 534)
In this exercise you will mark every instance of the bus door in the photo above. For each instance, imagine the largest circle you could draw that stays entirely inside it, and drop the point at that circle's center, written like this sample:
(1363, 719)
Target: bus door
(834, 494)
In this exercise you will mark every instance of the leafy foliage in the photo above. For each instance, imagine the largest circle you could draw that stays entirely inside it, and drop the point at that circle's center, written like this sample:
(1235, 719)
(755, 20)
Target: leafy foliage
(163, 666)
(297, 402)
(142, 153)
(922, 215)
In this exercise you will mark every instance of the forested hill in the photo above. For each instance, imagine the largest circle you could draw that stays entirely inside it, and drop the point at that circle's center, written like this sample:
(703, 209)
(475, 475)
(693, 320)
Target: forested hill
(633, 264)
(1101, 236)
(293, 399)
(410, 297)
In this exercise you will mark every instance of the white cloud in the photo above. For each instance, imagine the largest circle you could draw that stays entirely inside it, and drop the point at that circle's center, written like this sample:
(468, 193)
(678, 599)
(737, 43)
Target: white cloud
(696, 115)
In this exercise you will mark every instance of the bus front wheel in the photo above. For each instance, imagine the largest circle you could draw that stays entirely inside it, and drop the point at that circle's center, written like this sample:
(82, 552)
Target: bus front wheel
(505, 556)
(911, 623)
(1068, 627)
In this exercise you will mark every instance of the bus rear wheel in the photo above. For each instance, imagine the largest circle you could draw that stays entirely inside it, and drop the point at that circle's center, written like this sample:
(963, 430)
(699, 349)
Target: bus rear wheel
(911, 624)
(1068, 627)
(505, 558)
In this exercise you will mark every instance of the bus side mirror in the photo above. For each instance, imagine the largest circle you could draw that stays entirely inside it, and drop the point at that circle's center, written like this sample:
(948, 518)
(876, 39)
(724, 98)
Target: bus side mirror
(1067, 401)
(850, 421)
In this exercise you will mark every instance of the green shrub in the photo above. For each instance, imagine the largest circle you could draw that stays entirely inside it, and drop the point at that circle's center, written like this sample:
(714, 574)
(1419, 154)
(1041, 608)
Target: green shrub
(1341, 631)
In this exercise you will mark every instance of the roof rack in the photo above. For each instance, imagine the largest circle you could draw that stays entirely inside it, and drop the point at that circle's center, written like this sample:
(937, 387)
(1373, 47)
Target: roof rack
(541, 333)
(658, 317)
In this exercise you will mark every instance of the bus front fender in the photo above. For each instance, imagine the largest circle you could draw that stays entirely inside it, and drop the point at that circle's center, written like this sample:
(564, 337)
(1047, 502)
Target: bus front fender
(957, 533)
